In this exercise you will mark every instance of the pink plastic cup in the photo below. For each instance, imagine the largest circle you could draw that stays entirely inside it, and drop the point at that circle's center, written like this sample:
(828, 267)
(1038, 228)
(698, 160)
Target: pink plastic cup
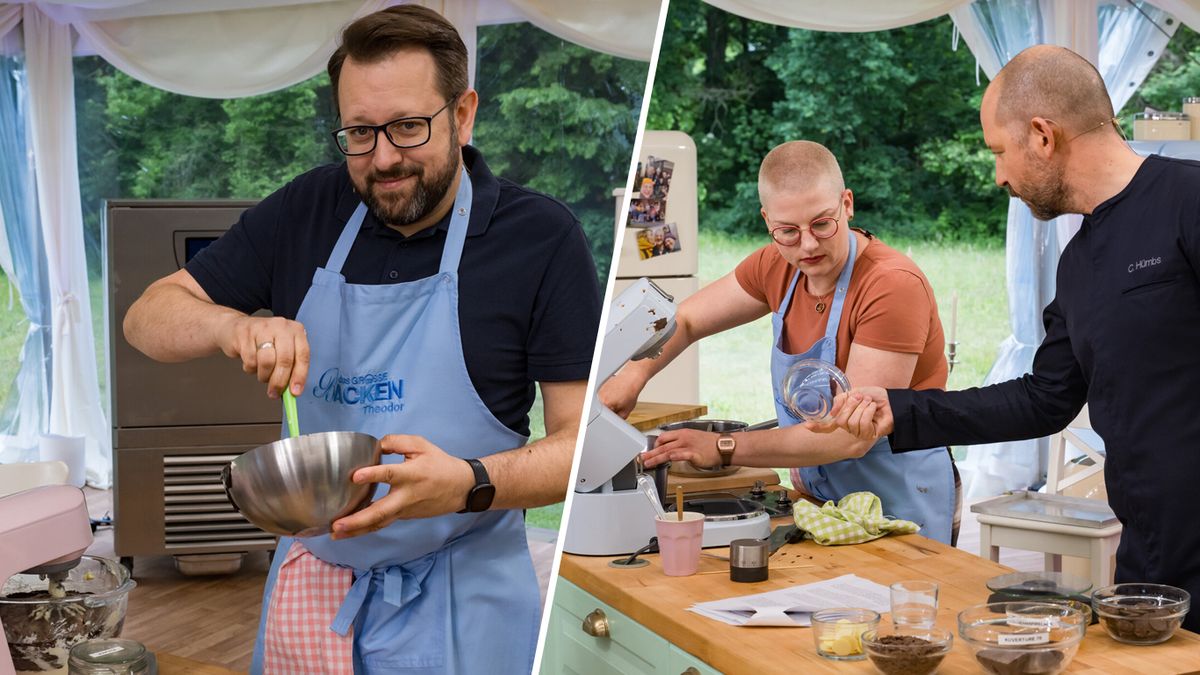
(679, 542)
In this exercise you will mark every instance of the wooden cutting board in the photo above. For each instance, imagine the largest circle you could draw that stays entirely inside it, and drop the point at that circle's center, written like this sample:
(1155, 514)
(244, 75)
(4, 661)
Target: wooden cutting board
(648, 415)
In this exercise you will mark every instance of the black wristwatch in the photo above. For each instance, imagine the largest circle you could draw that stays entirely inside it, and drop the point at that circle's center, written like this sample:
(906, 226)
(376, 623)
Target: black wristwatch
(483, 492)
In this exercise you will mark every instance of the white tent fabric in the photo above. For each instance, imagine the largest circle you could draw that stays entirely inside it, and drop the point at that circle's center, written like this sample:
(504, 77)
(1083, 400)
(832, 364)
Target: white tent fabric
(10, 16)
(620, 27)
(845, 16)
(75, 393)
(238, 53)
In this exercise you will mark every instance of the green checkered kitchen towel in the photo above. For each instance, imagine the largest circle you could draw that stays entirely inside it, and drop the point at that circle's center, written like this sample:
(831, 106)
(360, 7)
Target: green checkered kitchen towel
(858, 517)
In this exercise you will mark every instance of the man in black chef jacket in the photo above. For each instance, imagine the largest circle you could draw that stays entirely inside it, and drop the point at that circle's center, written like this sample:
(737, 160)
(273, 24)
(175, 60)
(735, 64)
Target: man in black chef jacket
(1123, 334)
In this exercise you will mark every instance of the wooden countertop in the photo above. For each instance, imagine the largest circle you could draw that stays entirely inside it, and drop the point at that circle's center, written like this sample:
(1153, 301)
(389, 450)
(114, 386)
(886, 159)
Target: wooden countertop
(659, 603)
(648, 415)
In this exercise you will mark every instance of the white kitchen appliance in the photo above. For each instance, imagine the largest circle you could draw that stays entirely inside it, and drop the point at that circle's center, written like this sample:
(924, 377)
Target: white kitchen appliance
(675, 272)
(609, 515)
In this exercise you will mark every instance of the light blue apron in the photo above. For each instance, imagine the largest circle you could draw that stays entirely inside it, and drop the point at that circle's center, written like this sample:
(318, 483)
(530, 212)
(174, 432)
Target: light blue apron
(452, 594)
(916, 485)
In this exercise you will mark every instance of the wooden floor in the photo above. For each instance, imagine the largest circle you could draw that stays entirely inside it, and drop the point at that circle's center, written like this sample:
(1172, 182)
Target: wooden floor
(214, 619)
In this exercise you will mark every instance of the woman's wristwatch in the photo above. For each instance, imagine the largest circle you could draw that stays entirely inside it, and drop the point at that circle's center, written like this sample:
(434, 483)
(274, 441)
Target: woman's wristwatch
(725, 446)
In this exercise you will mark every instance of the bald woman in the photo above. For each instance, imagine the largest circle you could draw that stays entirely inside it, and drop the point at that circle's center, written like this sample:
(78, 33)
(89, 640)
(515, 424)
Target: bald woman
(1123, 334)
(836, 294)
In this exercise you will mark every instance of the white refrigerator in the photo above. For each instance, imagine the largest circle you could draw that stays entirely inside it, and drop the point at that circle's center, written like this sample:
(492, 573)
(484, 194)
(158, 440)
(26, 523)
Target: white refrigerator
(660, 242)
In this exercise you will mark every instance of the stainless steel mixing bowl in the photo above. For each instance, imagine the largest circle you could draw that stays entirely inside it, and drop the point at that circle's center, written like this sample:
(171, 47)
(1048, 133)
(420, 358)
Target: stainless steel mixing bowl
(299, 486)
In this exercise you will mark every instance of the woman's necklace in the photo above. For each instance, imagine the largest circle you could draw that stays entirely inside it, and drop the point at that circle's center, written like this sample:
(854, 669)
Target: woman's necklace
(820, 307)
(821, 304)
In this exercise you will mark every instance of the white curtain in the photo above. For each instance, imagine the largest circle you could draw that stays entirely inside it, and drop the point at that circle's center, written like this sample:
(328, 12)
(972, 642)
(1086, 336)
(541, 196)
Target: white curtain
(845, 16)
(75, 394)
(1126, 45)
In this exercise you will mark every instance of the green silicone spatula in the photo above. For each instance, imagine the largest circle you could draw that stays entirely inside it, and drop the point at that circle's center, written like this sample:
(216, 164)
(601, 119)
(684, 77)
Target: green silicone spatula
(289, 412)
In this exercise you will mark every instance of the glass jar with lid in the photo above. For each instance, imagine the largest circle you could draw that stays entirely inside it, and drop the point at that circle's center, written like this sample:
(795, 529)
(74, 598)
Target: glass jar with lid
(111, 656)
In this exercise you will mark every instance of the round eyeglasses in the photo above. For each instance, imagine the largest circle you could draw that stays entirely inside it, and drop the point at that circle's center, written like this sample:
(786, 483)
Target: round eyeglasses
(403, 132)
(821, 228)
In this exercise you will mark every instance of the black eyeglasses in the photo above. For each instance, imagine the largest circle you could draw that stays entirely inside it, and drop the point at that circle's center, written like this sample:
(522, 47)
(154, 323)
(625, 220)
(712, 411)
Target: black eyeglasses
(821, 228)
(403, 132)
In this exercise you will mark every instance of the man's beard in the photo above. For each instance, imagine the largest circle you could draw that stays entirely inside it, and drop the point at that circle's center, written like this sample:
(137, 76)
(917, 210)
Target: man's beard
(1047, 195)
(397, 210)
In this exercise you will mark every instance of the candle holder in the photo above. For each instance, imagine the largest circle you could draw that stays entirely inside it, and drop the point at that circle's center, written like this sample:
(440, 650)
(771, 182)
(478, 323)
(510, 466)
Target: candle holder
(951, 355)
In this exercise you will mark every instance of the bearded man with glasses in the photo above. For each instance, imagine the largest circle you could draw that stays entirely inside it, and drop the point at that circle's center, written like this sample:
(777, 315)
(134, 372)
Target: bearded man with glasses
(836, 294)
(416, 298)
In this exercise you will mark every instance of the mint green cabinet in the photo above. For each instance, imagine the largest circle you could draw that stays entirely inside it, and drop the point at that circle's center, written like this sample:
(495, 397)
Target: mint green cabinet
(686, 664)
(589, 637)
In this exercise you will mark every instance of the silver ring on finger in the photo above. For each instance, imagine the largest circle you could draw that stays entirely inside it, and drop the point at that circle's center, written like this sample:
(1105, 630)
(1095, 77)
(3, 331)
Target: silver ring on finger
(266, 345)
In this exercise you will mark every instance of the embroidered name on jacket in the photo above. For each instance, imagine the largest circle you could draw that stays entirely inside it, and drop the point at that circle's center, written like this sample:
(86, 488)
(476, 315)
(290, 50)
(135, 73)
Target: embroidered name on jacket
(1146, 262)
(375, 393)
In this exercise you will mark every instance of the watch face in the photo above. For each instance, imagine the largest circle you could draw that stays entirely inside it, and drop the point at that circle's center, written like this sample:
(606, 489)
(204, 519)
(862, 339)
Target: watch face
(481, 498)
(726, 444)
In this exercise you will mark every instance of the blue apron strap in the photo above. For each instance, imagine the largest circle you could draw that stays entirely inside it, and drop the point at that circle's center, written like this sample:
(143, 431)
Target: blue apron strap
(843, 284)
(346, 240)
(460, 216)
(401, 585)
(787, 297)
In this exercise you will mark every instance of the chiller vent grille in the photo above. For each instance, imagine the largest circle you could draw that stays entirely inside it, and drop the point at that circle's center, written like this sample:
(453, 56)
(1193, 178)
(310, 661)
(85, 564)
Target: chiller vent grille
(197, 514)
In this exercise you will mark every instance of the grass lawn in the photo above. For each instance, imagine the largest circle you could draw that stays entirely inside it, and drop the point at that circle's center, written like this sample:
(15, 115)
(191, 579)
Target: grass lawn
(13, 329)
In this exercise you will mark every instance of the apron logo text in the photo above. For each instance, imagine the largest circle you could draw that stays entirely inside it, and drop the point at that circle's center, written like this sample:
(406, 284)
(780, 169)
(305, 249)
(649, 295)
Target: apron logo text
(376, 393)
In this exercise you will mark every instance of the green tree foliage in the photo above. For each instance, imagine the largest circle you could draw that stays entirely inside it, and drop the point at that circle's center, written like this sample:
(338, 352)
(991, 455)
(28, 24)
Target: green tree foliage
(554, 116)
(560, 119)
(898, 109)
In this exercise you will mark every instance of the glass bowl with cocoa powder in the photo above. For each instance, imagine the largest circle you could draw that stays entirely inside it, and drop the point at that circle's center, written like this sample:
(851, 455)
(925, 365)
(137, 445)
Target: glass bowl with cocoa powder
(907, 650)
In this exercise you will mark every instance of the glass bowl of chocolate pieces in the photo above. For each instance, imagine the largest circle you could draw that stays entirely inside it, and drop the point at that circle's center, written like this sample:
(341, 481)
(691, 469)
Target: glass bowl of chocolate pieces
(1022, 638)
(907, 650)
(1141, 614)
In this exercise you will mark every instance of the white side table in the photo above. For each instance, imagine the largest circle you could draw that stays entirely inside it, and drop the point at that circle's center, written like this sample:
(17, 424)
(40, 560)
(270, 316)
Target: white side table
(1097, 544)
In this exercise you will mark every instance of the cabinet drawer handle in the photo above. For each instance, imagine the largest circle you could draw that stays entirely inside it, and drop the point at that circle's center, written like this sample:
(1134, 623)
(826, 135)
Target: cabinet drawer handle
(596, 624)
(690, 671)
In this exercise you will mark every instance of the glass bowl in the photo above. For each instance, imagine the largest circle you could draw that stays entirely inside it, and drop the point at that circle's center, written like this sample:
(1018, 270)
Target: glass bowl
(1026, 638)
(907, 650)
(1141, 614)
(41, 629)
(809, 387)
(837, 632)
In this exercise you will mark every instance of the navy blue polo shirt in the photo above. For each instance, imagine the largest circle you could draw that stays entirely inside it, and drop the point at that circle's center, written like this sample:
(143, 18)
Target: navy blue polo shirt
(529, 301)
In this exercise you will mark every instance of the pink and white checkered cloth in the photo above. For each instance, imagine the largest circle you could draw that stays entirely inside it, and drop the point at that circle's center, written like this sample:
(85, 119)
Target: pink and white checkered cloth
(307, 595)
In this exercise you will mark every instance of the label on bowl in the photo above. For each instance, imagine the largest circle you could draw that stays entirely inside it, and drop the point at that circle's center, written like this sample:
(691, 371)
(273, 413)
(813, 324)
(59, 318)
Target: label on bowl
(1034, 621)
(1023, 639)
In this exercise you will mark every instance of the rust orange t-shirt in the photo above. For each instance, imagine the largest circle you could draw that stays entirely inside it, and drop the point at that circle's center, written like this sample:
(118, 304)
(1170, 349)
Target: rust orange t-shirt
(889, 306)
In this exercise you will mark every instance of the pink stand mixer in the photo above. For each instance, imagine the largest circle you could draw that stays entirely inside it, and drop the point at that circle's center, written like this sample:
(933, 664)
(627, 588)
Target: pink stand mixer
(42, 531)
